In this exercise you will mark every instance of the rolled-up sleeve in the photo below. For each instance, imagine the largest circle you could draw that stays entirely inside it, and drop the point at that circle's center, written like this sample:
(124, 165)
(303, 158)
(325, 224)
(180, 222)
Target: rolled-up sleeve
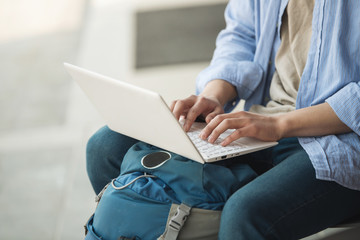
(235, 48)
(346, 105)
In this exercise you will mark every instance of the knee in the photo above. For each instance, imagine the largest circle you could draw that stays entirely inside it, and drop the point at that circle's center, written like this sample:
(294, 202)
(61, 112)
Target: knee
(243, 217)
(105, 144)
(104, 153)
(240, 208)
(98, 151)
(98, 146)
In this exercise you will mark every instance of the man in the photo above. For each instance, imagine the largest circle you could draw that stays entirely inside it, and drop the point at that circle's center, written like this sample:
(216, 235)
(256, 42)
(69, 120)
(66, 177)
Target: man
(297, 65)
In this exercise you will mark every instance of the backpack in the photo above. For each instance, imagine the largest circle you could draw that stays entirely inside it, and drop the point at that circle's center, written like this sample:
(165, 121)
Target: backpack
(161, 195)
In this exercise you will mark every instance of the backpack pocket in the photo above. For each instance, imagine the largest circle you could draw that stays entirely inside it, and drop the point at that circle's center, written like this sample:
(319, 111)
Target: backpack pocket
(131, 206)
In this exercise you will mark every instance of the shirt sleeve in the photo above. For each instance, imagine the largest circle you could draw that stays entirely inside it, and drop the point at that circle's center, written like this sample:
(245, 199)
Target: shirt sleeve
(235, 48)
(346, 104)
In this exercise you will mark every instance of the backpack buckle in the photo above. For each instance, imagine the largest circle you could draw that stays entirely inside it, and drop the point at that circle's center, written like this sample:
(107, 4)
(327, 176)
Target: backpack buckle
(178, 220)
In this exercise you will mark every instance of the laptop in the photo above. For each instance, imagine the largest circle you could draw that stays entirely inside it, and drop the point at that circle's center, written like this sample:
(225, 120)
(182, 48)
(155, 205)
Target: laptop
(144, 115)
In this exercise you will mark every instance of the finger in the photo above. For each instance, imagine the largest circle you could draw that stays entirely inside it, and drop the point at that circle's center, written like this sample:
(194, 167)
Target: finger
(191, 116)
(238, 133)
(178, 109)
(195, 111)
(213, 114)
(181, 107)
(228, 123)
(205, 133)
(241, 119)
(172, 105)
(225, 124)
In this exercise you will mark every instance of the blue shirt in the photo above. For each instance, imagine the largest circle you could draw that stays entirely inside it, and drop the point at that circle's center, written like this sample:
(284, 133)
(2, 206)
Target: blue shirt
(245, 54)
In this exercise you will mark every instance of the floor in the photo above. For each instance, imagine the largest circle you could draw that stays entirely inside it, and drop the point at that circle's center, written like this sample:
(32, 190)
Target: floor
(46, 120)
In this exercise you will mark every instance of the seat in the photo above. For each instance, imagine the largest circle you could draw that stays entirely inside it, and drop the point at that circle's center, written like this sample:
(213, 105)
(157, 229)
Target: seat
(353, 222)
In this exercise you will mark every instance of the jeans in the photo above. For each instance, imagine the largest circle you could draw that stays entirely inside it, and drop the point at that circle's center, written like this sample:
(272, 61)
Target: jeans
(285, 201)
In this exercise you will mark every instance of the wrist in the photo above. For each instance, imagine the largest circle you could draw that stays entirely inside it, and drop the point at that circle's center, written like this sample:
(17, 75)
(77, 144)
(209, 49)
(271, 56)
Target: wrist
(213, 97)
(282, 126)
(220, 91)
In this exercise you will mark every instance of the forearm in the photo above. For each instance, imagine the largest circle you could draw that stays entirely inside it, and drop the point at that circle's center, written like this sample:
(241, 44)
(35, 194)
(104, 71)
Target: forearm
(317, 120)
(221, 90)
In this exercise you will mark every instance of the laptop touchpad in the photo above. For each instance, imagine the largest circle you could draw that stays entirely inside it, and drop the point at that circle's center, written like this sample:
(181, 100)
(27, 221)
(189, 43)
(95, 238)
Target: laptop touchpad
(155, 159)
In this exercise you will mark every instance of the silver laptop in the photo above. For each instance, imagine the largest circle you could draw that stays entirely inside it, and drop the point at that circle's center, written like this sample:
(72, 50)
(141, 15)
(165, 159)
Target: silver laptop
(143, 114)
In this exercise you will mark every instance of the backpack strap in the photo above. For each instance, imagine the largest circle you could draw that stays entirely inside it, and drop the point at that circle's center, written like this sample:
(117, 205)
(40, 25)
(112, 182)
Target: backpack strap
(176, 222)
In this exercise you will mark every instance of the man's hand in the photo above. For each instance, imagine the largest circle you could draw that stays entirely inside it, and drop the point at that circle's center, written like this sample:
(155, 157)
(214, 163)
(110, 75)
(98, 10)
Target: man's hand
(246, 124)
(207, 105)
(316, 120)
(194, 106)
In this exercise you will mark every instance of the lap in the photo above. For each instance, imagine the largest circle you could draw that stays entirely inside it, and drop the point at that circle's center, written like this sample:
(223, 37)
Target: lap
(287, 201)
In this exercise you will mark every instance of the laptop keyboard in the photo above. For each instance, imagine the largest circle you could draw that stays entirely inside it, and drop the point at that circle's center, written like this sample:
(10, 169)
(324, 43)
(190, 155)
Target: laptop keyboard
(209, 150)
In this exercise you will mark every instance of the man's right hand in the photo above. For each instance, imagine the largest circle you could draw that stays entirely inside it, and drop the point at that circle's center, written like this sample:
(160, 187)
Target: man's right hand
(193, 107)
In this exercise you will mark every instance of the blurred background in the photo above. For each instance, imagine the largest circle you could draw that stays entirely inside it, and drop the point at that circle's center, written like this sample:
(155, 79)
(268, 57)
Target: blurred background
(46, 119)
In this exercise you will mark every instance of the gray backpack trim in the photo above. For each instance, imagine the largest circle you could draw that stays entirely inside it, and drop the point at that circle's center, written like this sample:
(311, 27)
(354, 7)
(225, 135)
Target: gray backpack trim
(176, 222)
(201, 224)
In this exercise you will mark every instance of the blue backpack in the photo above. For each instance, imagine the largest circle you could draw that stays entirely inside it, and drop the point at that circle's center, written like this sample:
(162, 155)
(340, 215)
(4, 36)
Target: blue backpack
(162, 195)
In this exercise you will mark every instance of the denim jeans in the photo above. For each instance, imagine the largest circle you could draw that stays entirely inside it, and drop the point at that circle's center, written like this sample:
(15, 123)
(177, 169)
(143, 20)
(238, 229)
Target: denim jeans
(285, 201)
